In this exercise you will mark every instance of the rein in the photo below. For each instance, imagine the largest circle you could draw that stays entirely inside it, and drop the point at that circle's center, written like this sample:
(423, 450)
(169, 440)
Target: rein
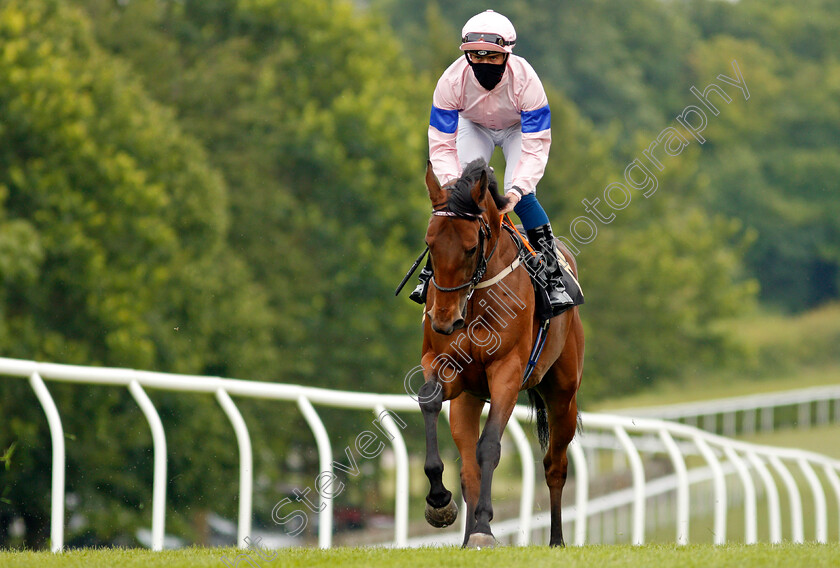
(476, 281)
(484, 235)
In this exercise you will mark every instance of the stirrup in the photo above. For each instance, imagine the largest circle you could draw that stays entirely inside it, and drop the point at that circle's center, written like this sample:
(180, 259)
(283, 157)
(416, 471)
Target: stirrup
(558, 297)
(419, 293)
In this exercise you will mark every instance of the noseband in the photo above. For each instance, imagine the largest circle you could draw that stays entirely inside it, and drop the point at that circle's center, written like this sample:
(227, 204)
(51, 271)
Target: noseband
(483, 236)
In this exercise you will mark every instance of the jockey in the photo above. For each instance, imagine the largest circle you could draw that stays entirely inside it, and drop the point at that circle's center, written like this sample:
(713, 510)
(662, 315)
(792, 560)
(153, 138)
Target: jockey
(490, 98)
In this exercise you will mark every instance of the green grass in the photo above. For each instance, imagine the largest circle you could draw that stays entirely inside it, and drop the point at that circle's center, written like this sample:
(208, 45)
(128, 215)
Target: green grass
(701, 526)
(723, 385)
(819, 439)
(699, 556)
(782, 353)
(779, 353)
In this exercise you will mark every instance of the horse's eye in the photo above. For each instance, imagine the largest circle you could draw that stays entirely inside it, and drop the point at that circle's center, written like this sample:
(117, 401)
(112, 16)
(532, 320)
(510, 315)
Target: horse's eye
(471, 251)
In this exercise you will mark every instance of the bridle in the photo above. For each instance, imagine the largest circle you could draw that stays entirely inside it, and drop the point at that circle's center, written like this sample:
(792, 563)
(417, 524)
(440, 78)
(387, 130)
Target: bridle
(484, 235)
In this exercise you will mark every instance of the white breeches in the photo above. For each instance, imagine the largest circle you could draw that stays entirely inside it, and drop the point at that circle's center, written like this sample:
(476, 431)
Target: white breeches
(475, 141)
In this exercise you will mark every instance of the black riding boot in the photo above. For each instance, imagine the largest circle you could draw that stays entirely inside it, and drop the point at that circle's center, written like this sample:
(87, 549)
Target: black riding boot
(543, 240)
(419, 293)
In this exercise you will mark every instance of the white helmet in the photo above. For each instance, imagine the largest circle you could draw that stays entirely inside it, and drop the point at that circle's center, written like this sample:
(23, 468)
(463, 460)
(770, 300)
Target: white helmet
(488, 31)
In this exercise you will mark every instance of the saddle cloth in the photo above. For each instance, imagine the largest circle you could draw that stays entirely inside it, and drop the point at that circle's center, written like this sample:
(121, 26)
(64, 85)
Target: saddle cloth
(573, 288)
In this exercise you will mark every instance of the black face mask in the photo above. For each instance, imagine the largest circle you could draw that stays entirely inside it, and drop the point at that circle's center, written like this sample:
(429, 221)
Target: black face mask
(488, 74)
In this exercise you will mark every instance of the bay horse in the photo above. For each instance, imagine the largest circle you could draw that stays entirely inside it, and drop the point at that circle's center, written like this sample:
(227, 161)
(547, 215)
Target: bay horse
(487, 359)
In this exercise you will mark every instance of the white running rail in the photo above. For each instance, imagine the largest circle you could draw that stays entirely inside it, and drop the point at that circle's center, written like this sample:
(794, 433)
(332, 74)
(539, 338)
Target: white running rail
(724, 458)
(746, 414)
(635, 437)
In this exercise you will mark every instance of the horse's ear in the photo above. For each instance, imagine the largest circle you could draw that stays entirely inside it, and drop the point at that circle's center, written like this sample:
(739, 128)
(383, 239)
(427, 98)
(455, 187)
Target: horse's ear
(480, 188)
(433, 185)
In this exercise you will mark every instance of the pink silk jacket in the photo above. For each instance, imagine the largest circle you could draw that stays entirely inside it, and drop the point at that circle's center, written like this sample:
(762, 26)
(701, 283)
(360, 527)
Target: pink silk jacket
(518, 98)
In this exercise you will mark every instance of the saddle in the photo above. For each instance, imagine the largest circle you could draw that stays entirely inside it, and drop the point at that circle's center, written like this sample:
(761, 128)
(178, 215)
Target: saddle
(532, 259)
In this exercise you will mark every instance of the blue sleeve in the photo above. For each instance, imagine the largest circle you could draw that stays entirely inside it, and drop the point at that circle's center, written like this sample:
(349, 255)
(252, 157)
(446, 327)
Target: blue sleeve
(444, 120)
(536, 120)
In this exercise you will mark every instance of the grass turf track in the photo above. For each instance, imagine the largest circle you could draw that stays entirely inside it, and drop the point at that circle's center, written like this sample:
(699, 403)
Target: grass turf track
(658, 556)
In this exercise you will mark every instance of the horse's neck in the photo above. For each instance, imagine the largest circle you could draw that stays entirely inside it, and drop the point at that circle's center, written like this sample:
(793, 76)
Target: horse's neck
(505, 252)
(502, 302)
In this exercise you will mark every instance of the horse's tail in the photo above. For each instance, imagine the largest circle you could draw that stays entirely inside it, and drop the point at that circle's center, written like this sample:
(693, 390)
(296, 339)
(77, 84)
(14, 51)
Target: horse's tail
(537, 405)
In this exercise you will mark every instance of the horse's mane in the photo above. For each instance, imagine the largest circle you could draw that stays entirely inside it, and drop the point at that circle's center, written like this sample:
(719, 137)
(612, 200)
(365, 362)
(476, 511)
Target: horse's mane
(460, 200)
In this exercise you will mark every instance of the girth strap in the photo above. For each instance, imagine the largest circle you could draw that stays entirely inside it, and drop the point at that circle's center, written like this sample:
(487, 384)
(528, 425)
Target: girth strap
(536, 351)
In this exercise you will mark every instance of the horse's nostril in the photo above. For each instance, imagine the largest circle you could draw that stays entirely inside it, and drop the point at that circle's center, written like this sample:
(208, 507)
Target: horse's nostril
(442, 330)
(459, 323)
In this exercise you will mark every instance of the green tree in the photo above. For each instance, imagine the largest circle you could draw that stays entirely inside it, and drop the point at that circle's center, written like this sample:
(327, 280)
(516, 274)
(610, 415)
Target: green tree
(772, 161)
(659, 276)
(629, 67)
(311, 121)
(317, 122)
(113, 252)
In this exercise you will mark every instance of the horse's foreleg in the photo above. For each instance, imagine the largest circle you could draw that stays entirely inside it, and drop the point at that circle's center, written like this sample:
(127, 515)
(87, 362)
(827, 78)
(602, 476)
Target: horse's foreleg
(488, 453)
(441, 510)
(465, 422)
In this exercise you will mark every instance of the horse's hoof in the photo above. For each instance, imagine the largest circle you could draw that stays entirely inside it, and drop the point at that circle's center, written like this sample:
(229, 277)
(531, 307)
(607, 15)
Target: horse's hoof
(481, 540)
(443, 516)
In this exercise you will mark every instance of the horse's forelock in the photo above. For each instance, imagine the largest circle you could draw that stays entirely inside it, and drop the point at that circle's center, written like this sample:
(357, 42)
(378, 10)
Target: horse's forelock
(460, 199)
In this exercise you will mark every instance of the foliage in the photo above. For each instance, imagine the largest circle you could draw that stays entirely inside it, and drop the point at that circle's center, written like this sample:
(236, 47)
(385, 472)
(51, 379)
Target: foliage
(658, 276)
(772, 163)
(776, 353)
(117, 235)
(234, 187)
(315, 121)
(114, 252)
